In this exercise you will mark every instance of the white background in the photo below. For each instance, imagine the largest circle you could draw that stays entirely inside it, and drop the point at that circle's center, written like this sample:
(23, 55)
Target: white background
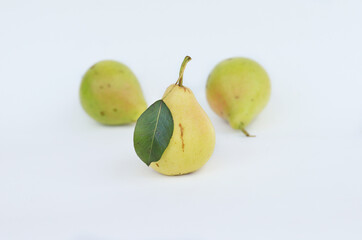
(63, 176)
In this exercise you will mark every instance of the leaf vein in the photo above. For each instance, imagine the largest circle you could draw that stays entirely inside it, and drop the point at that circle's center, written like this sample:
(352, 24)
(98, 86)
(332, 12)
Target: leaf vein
(154, 132)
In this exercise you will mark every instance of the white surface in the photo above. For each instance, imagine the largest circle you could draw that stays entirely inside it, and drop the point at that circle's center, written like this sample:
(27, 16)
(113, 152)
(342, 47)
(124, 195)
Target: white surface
(63, 176)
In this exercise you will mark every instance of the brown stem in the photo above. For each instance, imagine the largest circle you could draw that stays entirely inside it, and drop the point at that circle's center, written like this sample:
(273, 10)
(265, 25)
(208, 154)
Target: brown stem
(244, 131)
(182, 69)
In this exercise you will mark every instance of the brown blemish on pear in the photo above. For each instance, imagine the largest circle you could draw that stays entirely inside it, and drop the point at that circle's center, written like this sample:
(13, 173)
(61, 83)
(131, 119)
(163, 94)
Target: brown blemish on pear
(182, 136)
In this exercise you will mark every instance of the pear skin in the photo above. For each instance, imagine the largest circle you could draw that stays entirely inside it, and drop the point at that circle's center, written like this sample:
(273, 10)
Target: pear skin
(193, 139)
(237, 90)
(111, 94)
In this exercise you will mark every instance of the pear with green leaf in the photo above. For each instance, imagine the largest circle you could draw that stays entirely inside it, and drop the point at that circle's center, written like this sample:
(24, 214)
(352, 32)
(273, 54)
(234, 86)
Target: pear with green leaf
(174, 135)
(238, 89)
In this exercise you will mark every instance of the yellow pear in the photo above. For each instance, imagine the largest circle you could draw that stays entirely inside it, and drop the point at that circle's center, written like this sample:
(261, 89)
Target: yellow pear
(111, 94)
(237, 90)
(193, 139)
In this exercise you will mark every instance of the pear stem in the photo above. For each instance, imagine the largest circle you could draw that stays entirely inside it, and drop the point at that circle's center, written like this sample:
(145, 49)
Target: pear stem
(244, 131)
(182, 69)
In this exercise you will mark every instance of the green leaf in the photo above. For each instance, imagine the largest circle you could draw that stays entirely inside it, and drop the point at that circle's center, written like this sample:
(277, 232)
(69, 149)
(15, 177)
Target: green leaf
(153, 132)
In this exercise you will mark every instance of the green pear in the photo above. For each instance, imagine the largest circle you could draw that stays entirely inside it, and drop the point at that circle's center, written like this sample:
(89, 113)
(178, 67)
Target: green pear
(237, 90)
(111, 94)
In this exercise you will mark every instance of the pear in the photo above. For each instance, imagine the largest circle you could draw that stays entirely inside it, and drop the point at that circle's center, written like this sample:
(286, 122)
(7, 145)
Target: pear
(193, 139)
(237, 89)
(110, 93)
